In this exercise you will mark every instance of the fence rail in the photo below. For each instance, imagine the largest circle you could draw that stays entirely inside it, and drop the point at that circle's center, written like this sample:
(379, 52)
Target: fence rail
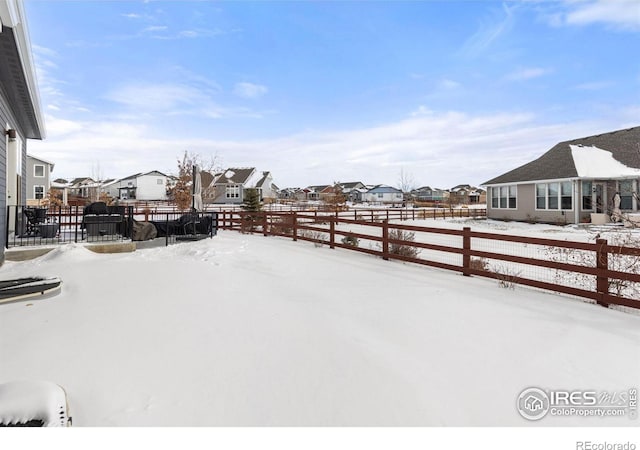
(29, 226)
(597, 271)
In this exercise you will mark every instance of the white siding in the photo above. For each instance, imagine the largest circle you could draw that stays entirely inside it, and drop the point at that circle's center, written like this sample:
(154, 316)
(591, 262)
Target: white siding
(151, 187)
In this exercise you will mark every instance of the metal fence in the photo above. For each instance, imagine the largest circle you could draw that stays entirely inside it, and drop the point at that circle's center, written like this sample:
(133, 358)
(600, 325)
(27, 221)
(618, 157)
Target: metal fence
(29, 226)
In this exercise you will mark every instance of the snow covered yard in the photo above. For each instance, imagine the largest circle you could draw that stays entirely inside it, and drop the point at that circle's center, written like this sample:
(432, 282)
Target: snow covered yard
(248, 330)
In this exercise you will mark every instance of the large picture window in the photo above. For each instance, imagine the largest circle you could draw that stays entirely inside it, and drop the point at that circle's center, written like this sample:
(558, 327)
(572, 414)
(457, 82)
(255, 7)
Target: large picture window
(554, 196)
(504, 197)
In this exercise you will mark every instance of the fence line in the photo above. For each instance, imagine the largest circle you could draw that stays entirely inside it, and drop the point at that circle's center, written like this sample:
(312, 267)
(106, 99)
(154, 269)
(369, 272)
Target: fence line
(325, 230)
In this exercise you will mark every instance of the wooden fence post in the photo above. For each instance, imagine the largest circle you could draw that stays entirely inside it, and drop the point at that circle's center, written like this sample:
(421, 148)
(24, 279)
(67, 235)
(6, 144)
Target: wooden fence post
(332, 232)
(466, 247)
(385, 240)
(602, 264)
(295, 226)
(265, 231)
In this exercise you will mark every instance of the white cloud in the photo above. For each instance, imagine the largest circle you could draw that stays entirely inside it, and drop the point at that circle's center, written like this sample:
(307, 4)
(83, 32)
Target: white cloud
(249, 90)
(448, 84)
(620, 14)
(594, 85)
(438, 148)
(154, 97)
(490, 30)
(528, 73)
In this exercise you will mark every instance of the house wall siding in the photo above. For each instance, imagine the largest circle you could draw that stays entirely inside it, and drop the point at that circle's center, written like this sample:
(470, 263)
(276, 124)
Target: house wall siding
(149, 189)
(31, 179)
(7, 118)
(526, 209)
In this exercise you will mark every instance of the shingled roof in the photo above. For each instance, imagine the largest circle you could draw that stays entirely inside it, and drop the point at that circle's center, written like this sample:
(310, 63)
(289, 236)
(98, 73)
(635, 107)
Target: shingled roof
(558, 162)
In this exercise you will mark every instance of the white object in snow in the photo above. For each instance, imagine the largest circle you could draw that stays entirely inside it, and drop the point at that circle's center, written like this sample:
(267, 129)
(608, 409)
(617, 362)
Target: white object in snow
(33, 403)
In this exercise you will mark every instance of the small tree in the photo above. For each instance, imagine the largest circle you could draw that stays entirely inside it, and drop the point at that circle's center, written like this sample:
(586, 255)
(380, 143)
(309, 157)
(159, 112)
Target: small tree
(336, 200)
(53, 198)
(250, 203)
(181, 191)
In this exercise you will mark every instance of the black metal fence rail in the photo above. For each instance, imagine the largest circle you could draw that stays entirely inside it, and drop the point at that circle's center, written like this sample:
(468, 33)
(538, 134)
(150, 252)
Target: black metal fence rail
(29, 226)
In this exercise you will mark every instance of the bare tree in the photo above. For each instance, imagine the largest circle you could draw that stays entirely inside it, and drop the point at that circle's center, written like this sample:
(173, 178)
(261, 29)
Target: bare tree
(406, 182)
(181, 192)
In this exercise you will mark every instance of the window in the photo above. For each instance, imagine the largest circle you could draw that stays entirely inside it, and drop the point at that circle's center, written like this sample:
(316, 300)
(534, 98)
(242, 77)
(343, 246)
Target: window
(554, 195)
(512, 197)
(587, 199)
(566, 196)
(626, 194)
(159, 181)
(38, 192)
(495, 197)
(504, 197)
(233, 191)
(38, 170)
(380, 195)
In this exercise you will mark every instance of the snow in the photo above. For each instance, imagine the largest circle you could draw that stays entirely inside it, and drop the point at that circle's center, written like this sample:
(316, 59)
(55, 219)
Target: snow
(593, 162)
(22, 401)
(243, 330)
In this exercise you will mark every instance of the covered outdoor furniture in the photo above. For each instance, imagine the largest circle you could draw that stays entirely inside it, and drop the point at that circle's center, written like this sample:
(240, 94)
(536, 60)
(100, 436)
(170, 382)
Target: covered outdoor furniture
(191, 223)
(143, 231)
(102, 220)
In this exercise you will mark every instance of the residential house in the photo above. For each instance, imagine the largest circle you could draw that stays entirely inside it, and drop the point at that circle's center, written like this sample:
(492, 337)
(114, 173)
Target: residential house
(384, 194)
(267, 189)
(319, 192)
(288, 193)
(38, 179)
(571, 181)
(464, 194)
(353, 190)
(430, 195)
(229, 186)
(84, 187)
(149, 186)
(21, 115)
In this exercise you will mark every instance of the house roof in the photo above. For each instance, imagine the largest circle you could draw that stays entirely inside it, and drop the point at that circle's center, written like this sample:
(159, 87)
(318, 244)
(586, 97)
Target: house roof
(384, 188)
(352, 185)
(42, 161)
(76, 181)
(559, 162)
(236, 175)
(17, 71)
(265, 177)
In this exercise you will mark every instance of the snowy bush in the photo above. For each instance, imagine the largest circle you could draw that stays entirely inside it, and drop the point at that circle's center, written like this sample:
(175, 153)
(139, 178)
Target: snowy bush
(616, 262)
(351, 240)
(402, 249)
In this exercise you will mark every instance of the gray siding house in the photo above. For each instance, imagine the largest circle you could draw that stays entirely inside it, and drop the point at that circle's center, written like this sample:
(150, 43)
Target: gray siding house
(20, 111)
(229, 186)
(38, 179)
(573, 182)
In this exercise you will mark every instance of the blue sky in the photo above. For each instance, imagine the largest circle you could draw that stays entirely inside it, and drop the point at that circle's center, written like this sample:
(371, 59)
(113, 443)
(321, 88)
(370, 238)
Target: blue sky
(449, 92)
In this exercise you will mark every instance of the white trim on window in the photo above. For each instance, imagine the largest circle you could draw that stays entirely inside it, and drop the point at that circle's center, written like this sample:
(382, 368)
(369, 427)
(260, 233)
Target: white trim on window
(504, 197)
(554, 196)
(35, 192)
(35, 172)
